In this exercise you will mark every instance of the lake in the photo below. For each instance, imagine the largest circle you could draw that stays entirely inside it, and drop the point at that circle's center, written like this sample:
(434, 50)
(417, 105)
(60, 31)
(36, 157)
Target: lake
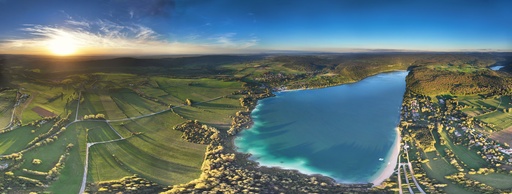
(496, 68)
(346, 132)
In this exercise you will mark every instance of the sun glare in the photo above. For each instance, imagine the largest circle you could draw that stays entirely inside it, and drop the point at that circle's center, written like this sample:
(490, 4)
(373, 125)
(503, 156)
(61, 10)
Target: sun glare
(62, 46)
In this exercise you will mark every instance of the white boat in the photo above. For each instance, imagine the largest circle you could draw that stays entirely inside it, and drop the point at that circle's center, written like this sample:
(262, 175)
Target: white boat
(381, 159)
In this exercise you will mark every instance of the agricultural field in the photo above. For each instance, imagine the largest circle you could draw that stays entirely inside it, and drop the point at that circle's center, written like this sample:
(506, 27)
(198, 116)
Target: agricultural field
(7, 101)
(254, 70)
(437, 167)
(176, 91)
(468, 157)
(156, 151)
(497, 180)
(215, 113)
(136, 135)
(16, 140)
(496, 111)
(466, 68)
(46, 98)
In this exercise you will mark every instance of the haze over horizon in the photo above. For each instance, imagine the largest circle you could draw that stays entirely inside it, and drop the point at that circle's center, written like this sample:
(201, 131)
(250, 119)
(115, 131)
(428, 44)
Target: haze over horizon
(160, 27)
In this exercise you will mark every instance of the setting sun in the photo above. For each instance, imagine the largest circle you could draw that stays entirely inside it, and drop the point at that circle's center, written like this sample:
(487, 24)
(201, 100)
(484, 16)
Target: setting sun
(62, 46)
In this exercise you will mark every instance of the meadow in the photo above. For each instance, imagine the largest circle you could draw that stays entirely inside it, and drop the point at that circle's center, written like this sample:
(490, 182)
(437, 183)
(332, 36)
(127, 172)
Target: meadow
(150, 147)
(142, 100)
(7, 101)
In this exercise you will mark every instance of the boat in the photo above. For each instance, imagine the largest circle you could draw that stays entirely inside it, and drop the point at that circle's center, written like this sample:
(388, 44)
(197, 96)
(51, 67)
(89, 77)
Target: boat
(381, 159)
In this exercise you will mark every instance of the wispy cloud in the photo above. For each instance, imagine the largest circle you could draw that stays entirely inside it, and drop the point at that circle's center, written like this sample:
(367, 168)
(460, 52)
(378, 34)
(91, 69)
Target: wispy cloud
(231, 40)
(108, 37)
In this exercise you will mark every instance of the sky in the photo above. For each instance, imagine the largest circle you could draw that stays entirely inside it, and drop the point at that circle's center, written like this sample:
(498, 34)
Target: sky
(154, 27)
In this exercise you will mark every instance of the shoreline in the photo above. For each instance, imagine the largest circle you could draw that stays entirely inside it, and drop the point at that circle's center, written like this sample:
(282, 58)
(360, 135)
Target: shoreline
(393, 161)
(350, 82)
(385, 174)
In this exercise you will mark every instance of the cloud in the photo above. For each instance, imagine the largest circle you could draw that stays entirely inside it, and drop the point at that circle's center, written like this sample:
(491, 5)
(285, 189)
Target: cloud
(230, 40)
(103, 37)
(147, 8)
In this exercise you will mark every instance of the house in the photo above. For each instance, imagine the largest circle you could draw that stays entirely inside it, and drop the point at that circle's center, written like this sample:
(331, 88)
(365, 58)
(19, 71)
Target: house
(506, 151)
(4, 166)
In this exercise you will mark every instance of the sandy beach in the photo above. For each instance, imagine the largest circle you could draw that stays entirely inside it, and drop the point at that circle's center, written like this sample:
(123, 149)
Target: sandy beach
(393, 160)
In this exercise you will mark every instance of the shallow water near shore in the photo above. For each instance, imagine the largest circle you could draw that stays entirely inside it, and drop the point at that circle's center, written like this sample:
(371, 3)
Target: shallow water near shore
(346, 132)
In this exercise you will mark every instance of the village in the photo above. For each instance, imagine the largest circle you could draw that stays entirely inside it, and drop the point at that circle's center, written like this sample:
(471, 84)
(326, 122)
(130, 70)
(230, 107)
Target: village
(450, 151)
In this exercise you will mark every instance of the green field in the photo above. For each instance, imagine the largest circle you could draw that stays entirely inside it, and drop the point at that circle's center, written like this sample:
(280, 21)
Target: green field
(7, 100)
(71, 175)
(53, 99)
(18, 139)
(466, 68)
(197, 90)
(469, 157)
(257, 69)
(437, 168)
(98, 131)
(489, 110)
(92, 104)
(103, 166)
(132, 104)
(158, 154)
(496, 180)
(215, 113)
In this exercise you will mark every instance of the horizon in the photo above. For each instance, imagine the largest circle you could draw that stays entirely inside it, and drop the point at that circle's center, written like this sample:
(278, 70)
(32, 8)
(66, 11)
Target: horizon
(177, 27)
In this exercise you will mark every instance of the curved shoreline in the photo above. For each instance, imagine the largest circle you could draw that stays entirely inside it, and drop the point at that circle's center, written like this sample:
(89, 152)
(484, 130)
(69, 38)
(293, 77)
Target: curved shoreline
(393, 161)
(384, 172)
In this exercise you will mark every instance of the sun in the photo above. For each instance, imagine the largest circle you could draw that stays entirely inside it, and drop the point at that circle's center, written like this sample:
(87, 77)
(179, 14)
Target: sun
(62, 46)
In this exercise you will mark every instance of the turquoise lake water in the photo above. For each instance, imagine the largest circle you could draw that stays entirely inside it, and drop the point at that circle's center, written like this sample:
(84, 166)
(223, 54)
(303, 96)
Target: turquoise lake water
(340, 131)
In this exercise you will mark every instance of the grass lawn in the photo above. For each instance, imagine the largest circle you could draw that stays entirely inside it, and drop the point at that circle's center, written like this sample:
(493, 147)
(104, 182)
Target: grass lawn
(496, 180)
(18, 139)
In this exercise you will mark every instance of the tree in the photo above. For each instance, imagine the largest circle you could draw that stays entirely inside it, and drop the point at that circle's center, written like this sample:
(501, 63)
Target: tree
(36, 161)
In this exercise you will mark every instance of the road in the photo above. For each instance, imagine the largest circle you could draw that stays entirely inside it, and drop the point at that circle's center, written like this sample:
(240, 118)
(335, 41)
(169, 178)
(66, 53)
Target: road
(412, 175)
(89, 145)
(78, 105)
(399, 178)
(407, 179)
(13, 112)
